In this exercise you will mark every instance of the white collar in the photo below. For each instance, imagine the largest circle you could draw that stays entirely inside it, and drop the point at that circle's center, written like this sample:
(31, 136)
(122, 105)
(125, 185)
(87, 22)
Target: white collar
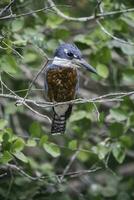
(62, 62)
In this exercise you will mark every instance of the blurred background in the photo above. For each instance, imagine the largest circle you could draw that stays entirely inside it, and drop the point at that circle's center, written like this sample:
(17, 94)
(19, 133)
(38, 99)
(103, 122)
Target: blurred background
(95, 158)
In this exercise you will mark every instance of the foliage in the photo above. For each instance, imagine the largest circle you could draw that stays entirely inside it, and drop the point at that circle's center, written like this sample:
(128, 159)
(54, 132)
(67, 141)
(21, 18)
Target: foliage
(33, 162)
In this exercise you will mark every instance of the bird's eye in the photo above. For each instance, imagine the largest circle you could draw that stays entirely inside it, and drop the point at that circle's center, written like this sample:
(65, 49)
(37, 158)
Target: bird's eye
(70, 54)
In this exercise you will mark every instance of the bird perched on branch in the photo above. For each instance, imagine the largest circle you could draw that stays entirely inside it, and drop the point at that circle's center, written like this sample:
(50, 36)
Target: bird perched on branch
(61, 82)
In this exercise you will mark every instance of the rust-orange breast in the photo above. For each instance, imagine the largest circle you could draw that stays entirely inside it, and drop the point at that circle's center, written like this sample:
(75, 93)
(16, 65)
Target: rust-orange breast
(61, 83)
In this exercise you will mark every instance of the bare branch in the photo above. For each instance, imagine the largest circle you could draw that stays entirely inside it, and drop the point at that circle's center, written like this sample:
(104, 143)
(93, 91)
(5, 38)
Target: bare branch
(98, 6)
(112, 36)
(24, 14)
(111, 97)
(84, 19)
(7, 7)
(16, 52)
(31, 84)
(79, 173)
(41, 178)
(97, 111)
(1, 83)
(72, 159)
(94, 17)
(24, 102)
(36, 112)
(16, 168)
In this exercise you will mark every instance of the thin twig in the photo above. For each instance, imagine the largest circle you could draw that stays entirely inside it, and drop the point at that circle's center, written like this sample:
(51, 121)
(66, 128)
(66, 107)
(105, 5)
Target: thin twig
(35, 178)
(6, 8)
(98, 6)
(61, 14)
(31, 84)
(36, 112)
(16, 168)
(84, 19)
(24, 102)
(24, 14)
(72, 159)
(94, 17)
(16, 52)
(112, 36)
(97, 111)
(111, 97)
(79, 173)
(2, 89)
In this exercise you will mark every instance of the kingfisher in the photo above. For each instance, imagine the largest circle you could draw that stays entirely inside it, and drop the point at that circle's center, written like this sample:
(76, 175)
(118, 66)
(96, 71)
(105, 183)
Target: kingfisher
(62, 82)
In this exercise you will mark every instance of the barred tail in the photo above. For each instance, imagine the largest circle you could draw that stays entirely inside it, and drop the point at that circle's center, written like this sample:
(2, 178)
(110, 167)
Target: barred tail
(61, 114)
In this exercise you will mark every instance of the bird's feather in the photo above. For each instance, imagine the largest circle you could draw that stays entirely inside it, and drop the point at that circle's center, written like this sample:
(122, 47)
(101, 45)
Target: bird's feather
(61, 84)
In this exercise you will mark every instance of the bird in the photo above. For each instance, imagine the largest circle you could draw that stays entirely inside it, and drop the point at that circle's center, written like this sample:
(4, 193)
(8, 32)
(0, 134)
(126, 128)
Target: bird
(62, 82)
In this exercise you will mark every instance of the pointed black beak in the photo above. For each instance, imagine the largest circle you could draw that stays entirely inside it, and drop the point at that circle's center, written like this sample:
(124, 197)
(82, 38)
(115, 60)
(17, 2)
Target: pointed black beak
(83, 63)
(87, 66)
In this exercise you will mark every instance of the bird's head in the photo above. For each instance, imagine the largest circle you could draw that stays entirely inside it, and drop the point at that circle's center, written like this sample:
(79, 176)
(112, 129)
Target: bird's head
(69, 54)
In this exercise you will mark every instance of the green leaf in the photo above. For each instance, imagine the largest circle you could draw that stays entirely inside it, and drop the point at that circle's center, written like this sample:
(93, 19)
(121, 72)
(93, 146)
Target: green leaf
(61, 33)
(18, 145)
(52, 44)
(101, 150)
(128, 76)
(85, 39)
(109, 191)
(72, 144)
(30, 57)
(78, 115)
(19, 42)
(3, 123)
(17, 25)
(43, 140)
(104, 55)
(83, 156)
(126, 48)
(102, 70)
(31, 143)
(6, 157)
(35, 129)
(116, 129)
(11, 108)
(1, 136)
(127, 141)
(118, 114)
(131, 120)
(6, 136)
(21, 157)
(54, 21)
(52, 149)
(118, 151)
(8, 64)
(123, 195)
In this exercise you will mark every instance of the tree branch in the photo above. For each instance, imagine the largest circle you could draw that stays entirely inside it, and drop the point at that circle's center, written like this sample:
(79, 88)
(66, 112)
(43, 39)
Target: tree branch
(31, 84)
(41, 178)
(111, 97)
(96, 16)
(24, 14)
(24, 102)
(112, 36)
(6, 8)
(84, 19)
(72, 159)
